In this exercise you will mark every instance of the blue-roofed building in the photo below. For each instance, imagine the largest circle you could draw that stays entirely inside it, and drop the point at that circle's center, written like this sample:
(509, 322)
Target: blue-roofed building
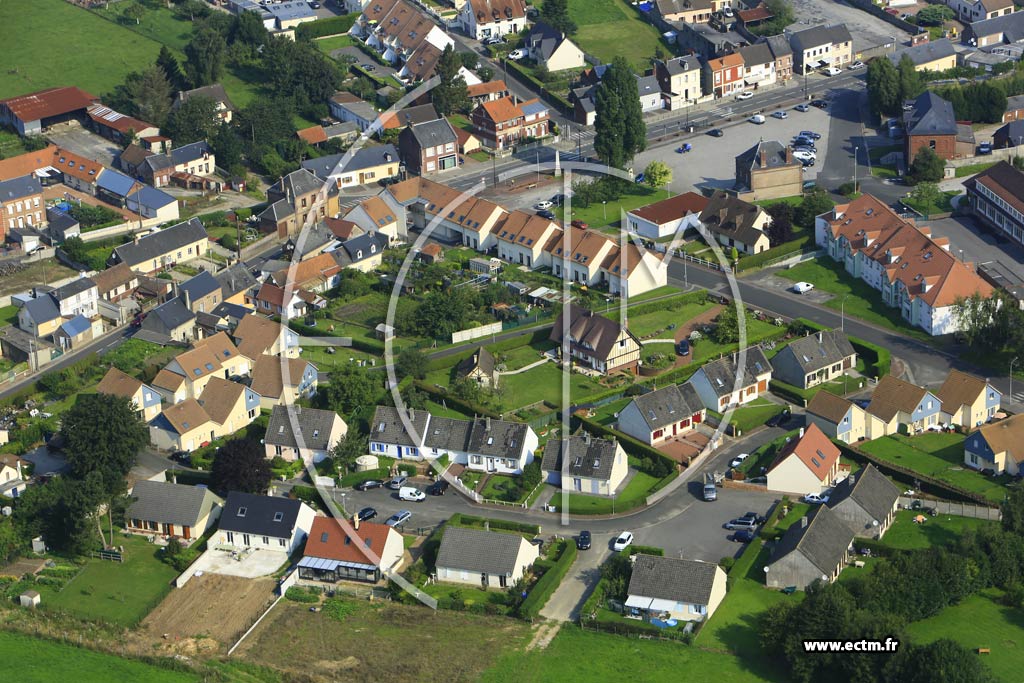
(114, 187)
(368, 165)
(74, 332)
(150, 202)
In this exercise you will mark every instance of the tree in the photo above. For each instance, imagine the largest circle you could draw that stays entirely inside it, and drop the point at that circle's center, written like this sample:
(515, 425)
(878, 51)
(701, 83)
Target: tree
(348, 448)
(249, 29)
(933, 15)
(727, 326)
(412, 363)
(351, 389)
(297, 70)
(911, 81)
(134, 12)
(450, 94)
(205, 55)
(883, 88)
(195, 119)
(150, 93)
(555, 13)
(657, 174)
(616, 573)
(619, 125)
(926, 194)
(812, 205)
(227, 147)
(927, 167)
(989, 103)
(266, 121)
(470, 60)
(240, 465)
(780, 230)
(10, 542)
(942, 660)
(1013, 511)
(168, 63)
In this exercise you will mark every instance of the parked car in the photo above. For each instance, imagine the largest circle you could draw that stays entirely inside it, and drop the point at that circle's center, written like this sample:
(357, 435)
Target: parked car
(411, 494)
(738, 460)
(544, 213)
(809, 134)
(583, 540)
(369, 484)
(757, 118)
(802, 107)
(741, 523)
(580, 224)
(802, 287)
(985, 148)
(543, 204)
(744, 535)
(804, 157)
(366, 513)
(780, 114)
(760, 519)
(494, 40)
(624, 540)
(399, 518)
(640, 177)
(776, 420)
(716, 132)
(856, 65)
(438, 488)
(683, 348)
(831, 71)
(745, 95)
(807, 149)
(517, 54)
(369, 67)
(804, 140)
(820, 104)
(815, 499)
(397, 483)
(314, 5)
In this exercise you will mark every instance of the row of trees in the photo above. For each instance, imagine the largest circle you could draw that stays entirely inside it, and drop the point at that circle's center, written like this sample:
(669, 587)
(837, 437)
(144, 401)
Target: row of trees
(890, 86)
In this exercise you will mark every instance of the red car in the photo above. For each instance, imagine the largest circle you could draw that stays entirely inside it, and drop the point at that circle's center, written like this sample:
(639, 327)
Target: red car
(580, 224)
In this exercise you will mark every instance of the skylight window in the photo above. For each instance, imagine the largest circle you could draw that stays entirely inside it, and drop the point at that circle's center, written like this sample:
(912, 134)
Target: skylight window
(323, 537)
(242, 511)
(278, 516)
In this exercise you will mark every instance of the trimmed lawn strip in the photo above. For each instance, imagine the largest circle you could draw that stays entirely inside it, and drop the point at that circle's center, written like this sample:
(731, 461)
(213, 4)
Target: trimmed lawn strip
(157, 23)
(8, 315)
(329, 45)
(944, 206)
(754, 414)
(599, 215)
(971, 169)
(904, 534)
(638, 488)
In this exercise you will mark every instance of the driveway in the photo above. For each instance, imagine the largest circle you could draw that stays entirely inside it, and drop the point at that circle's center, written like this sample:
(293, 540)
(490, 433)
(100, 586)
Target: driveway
(84, 142)
(250, 566)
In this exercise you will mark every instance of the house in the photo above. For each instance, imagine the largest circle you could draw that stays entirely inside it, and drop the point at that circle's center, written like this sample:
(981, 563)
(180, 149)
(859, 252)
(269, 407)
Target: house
(821, 46)
(720, 384)
(296, 200)
(999, 30)
(156, 169)
(201, 293)
(429, 147)
(146, 400)
(164, 248)
(73, 333)
(758, 65)
(25, 239)
(662, 414)
(222, 104)
(915, 273)
(690, 11)
(930, 122)
(672, 216)
(723, 76)
(488, 559)
(317, 274)
(390, 434)
(172, 320)
(374, 215)
(196, 158)
(33, 113)
(935, 55)
(346, 132)
(256, 336)
(866, 501)
(306, 434)
(674, 588)
(680, 81)
(768, 171)
(522, 236)
(549, 46)
(368, 165)
(1009, 135)
(281, 381)
(782, 52)
(807, 463)
(814, 359)
(232, 406)
(483, 19)
(411, 115)
(843, 420)
(274, 300)
(708, 42)
(595, 342)
(585, 464)
(12, 476)
(478, 367)
(21, 204)
(997, 446)
(736, 223)
(40, 316)
(60, 226)
(45, 313)
(967, 401)
(117, 126)
(116, 282)
(816, 548)
(969, 11)
(403, 36)
(487, 91)
(1014, 109)
(756, 15)
(171, 510)
(263, 523)
(996, 198)
(362, 552)
(349, 108)
(904, 407)
(649, 90)
(182, 426)
(501, 124)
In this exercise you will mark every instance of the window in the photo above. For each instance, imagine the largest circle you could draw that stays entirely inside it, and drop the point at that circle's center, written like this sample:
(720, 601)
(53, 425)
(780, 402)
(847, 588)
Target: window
(278, 516)
(266, 541)
(280, 542)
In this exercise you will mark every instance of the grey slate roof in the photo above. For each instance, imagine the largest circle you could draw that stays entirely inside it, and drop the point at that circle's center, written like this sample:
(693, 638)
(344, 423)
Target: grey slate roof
(433, 133)
(172, 313)
(42, 309)
(447, 433)
(819, 35)
(870, 489)
(367, 157)
(77, 286)
(234, 279)
(190, 152)
(668, 405)
(360, 248)
(543, 39)
(1015, 102)
(152, 197)
(775, 155)
(420, 113)
(930, 115)
(497, 437)
(779, 45)
(300, 182)
(721, 373)
(314, 427)
(75, 326)
(681, 65)
(247, 513)
(824, 541)
(115, 182)
(22, 186)
(924, 52)
(728, 215)
(171, 503)
(215, 92)
(387, 426)
(645, 85)
(670, 578)
(199, 285)
(758, 53)
(819, 350)
(1010, 25)
(161, 242)
(158, 162)
(479, 551)
(589, 456)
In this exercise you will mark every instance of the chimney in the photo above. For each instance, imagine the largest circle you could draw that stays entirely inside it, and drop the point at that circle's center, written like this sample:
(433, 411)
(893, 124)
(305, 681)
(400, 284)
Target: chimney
(803, 522)
(764, 158)
(586, 437)
(355, 522)
(487, 422)
(789, 154)
(801, 432)
(18, 465)
(186, 298)
(853, 479)
(821, 337)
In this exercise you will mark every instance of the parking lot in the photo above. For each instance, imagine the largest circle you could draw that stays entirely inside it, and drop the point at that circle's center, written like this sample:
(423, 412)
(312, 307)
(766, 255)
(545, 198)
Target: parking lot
(867, 30)
(979, 246)
(72, 136)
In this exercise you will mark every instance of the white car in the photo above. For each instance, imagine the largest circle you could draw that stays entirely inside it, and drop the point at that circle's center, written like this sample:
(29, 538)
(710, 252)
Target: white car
(831, 71)
(757, 118)
(815, 499)
(411, 494)
(745, 95)
(517, 54)
(738, 460)
(542, 205)
(624, 540)
(804, 156)
(802, 287)
(856, 65)
(780, 115)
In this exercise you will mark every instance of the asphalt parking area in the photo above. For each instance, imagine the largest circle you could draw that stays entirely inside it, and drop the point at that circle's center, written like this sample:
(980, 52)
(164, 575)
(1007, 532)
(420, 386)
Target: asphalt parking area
(973, 244)
(79, 140)
(867, 30)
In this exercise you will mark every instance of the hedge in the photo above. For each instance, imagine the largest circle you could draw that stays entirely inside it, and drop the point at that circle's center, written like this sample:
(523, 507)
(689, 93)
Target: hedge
(789, 392)
(459, 519)
(308, 494)
(646, 550)
(546, 585)
(326, 27)
(464, 407)
(796, 246)
(558, 100)
(669, 303)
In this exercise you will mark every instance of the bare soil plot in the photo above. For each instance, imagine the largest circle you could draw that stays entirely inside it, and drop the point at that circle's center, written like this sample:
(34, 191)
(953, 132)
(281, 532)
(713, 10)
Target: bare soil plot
(31, 274)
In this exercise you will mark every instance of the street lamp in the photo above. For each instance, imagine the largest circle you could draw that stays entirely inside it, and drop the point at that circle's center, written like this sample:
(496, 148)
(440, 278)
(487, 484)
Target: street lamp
(842, 314)
(604, 208)
(855, 168)
(1011, 375)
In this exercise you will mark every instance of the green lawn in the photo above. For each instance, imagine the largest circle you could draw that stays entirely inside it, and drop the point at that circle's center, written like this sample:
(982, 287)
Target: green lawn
(119, 593)
(638, 488)
(755, 413)
(11, 144)
(328, 45)
(521, 356)
(655, 293)
(904, 534)
(342, 356)
(980, 622)
(598, 215)
(43, 661)
(943, 206)
(971, 169)
(939, 455)
(575, 654)
(861, 300)
(606, 414)
(60, 44)
(544, 383)
(706, 348)
(610, 28)
(655, 323)
(158, 23)
(8, 315)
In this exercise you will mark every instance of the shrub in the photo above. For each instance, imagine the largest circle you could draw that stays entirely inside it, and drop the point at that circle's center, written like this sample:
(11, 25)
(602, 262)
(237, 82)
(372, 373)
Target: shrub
(546, 585)
(726, 563)
(300, 594)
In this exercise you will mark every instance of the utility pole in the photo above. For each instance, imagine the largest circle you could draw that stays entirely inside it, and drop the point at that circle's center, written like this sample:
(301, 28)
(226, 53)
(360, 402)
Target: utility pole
(855, 168)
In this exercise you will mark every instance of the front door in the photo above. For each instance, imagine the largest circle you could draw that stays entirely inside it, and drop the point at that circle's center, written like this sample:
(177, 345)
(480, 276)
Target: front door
(245, 539)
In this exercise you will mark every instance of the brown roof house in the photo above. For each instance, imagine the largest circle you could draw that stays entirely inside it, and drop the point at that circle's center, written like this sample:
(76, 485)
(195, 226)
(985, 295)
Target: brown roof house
(671, 216)
(904, 407)
(282, 381)
(146, 400)
(595, 342)
(806, 464)
(479, 367)
(736, 223)
(338, 552)
(967, 400)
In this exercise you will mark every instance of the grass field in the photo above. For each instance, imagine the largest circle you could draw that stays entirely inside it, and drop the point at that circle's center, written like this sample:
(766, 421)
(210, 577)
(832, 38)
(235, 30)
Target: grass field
(118, 593)
(328, 45)
(938, 530)
(157, 23)
(608, 28)
(861, 300)
(971, 169)
(41, 661)
(8, 315)
(939, 455)
(11, 144)
(980, 621)
(655, 323)
(944, 205)
(58, 30)
(638, 488)
(575, 654)
(598, 215)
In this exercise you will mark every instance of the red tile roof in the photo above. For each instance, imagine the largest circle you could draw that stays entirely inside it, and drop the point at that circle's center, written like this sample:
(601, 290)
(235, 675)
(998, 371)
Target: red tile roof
(48, 103)
(330, 540)
(814, 450)
(672, 208)
(314, 135)
(502, 110)
(488, 88)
